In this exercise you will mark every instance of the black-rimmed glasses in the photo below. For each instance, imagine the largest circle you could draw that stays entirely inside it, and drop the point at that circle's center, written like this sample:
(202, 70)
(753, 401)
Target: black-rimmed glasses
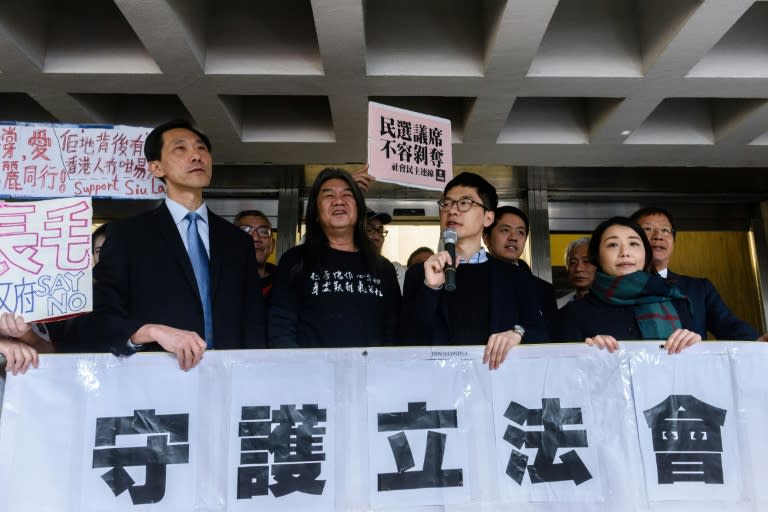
(463, 205)
(371, 231)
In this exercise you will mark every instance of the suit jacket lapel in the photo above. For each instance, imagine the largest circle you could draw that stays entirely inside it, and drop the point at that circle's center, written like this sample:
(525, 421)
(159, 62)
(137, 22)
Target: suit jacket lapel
(217, 244)
(174, 243)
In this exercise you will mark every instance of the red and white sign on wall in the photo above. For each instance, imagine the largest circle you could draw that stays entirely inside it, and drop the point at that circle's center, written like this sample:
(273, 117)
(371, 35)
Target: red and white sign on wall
(57, 160)
(409, 148)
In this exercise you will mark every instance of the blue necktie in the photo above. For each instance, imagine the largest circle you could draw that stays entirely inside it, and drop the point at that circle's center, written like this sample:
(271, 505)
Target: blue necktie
(200, 264)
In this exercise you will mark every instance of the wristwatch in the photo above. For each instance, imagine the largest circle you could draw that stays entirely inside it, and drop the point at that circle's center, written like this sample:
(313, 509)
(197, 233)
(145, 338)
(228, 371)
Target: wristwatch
(519, 329)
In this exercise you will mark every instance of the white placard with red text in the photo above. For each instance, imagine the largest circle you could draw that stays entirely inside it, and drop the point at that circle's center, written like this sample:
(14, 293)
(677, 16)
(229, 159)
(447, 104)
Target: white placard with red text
(45, 258)
(62, 160)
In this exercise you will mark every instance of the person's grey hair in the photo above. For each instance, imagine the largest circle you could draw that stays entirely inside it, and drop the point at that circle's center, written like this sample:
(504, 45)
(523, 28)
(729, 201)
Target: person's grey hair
(573, 245)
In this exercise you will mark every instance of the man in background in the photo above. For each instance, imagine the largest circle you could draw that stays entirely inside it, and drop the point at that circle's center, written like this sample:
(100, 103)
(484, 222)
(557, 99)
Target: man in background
(581, 271)
(505, 239)
(659, 226)
(258, 227)
(376, 232)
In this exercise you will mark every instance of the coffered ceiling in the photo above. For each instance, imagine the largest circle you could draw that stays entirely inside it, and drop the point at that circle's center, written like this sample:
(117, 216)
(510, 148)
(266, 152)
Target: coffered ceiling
(576, 83)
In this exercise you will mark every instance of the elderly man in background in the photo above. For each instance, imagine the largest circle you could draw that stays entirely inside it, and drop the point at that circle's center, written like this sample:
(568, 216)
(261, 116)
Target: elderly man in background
(581, 271)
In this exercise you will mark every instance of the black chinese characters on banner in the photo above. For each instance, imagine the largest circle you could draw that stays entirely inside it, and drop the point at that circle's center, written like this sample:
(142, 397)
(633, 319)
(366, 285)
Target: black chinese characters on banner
(295, 444)
(687, 440)
(552, 418)
(167, 443)
(417, 417)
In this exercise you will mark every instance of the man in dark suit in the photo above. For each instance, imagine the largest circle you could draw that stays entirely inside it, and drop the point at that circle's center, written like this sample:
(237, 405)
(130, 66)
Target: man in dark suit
(710, 312)
(492, 302)
(505, 239)
(178, 278)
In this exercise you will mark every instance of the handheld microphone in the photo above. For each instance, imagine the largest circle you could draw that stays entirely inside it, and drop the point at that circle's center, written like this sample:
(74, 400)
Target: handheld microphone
(449, 242)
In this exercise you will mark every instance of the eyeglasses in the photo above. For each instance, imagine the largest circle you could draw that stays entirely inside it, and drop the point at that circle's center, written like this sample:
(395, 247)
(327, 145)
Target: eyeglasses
(262, 231)
(463, 204)
(371, 231)
(664, 231)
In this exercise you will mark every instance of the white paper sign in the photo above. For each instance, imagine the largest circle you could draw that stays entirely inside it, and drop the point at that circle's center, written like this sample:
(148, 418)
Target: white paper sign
(60, 160)
(688, 426)
(93, 432)
(282, 449)
(547, 432)
(417, 434)
(45, 258)
(409, 148)
(129, 420)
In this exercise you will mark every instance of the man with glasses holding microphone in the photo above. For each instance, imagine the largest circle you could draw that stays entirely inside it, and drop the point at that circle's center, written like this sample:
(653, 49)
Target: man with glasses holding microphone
(490, 302)
(257, 225)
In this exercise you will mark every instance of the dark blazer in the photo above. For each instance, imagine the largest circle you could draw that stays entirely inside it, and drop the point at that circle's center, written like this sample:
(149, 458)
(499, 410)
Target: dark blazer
(145, 276)
(547, 300)
(709, 311)
(512, 297)
(589, 316)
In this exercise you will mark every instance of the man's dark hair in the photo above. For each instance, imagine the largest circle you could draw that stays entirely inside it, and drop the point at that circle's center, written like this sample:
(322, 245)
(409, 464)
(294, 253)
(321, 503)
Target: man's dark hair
(251, 213)
(153, 145)
(503, 210)
(99, 231)
(655, 210)
(316, 240)
(415, 253)
(597, 238)
(485, 190)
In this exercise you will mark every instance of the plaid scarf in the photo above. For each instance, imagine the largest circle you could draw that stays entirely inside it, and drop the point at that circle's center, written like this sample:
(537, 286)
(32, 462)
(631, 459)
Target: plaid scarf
(651, 297)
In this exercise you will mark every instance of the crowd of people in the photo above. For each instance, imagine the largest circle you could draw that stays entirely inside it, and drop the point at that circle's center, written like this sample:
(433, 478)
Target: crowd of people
(182, 279)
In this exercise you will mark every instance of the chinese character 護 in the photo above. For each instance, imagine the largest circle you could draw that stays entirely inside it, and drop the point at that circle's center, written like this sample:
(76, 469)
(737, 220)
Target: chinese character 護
(295, 444)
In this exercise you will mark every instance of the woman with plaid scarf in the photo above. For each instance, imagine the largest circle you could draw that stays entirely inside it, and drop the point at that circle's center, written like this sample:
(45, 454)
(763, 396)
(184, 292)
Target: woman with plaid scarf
(628, 300)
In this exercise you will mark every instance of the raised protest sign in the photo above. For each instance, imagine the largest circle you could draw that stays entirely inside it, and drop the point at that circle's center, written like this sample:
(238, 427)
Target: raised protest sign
(409, 148)
(557, 428)
(52, 160)
(45, 258)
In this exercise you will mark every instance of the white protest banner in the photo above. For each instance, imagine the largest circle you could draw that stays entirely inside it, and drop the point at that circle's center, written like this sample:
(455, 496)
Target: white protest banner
(280, 404)
(417, 446)
(94, 432)
(409, 148)
(552, 450)
(687, 426)
(45, 258)
(65, 160)
(164, 437)
(751, 388)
